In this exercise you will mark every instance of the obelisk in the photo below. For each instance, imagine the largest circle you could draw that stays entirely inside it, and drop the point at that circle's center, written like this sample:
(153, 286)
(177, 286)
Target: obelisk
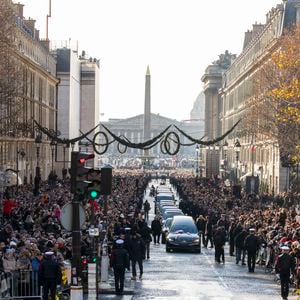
(147, 108)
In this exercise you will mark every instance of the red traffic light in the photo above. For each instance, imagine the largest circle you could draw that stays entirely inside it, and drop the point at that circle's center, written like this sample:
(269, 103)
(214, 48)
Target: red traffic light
(84, 261)
(82, 160)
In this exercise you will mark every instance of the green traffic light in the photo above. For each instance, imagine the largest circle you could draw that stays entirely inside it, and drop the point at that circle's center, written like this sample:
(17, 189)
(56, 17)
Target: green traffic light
(94, 194)
(94, 259)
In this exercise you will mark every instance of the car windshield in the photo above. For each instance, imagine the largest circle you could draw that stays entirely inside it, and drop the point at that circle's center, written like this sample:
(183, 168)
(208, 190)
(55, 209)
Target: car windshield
(169, 213)
(168, 223)
(183, 228)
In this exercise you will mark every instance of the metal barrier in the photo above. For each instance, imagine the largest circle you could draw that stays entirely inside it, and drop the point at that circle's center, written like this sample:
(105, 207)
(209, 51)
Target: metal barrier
(21, 284)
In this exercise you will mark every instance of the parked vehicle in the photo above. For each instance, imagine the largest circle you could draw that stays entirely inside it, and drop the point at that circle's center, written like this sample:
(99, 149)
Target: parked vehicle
(165, 229)
(183, 235)
(171, 213)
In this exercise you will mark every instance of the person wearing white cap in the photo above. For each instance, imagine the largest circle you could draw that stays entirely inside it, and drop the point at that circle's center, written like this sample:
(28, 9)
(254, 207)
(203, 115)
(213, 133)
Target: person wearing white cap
(285, 265)
(119, 261)
(49, 275)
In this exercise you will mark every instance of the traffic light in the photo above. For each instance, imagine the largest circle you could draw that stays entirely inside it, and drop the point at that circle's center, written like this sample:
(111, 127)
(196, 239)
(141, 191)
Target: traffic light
(79, 172)
(106, 180)
(94, 176)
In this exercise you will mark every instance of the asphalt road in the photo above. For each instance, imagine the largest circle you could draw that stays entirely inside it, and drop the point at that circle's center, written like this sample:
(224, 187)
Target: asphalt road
(196, 276)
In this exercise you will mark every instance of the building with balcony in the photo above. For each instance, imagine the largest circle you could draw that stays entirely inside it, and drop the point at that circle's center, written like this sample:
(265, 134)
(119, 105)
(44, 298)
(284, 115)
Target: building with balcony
(257, 156)
(36, 100)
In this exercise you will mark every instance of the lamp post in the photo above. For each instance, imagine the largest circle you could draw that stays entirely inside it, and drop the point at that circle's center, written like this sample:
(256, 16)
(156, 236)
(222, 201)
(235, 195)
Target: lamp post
(225, 149)
(37, 178)
(237, 149)
(200, 163)
(52, 145)
(197, 161)
(22, 153)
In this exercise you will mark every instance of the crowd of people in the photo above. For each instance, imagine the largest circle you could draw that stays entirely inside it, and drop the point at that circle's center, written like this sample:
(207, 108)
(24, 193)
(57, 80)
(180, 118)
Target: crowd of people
(31, 225)
(259, 228)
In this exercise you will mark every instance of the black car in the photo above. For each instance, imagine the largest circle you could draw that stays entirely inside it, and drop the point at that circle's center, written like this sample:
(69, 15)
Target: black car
(183, 235)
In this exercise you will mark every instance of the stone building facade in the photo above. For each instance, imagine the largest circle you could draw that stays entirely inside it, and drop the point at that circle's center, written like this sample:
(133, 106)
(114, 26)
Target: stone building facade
(78, 105)
(37, 67)
(259, 156)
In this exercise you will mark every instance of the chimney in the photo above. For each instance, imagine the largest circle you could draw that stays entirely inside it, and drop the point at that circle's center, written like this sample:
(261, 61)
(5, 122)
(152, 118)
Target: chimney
(30, 23)
(18, 8)
(257, 29)
(247, 39)
(36, 34)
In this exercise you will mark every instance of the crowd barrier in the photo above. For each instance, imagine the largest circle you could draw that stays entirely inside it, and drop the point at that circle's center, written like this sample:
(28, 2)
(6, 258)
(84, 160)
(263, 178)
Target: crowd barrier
(25, 284)
(21, 284)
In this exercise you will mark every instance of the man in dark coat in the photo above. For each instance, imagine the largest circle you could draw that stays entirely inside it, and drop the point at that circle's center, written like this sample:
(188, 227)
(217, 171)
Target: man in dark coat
(285, 265)
(119, 261)
(232, 227)
(219, 242)
(209, 232)
(201, 226)
(136, 253)
(240, 245)
(145, 233)
(146, 209)
(49, 275)
(156, 229)
(251, 246)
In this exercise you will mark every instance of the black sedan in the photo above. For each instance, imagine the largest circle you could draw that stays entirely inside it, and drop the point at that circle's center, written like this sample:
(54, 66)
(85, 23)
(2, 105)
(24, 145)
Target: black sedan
(183, 235)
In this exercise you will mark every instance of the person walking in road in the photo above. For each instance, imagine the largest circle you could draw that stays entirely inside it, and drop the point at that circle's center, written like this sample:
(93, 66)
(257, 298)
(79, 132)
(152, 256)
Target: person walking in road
(240, 246)
(119, 261)
(219, 242)
(146, 209)
(156, 229)
(251, 246)
(136, 253)
(209, 232)
(50, 275)
(145, 233)
(201, 226)
(285, 265)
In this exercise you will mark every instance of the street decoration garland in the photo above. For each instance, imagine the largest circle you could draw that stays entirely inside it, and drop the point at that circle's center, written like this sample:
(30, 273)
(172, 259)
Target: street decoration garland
(169, 140)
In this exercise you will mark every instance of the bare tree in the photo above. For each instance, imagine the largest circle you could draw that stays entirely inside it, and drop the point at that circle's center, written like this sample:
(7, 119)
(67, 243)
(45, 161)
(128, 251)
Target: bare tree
(10, 70)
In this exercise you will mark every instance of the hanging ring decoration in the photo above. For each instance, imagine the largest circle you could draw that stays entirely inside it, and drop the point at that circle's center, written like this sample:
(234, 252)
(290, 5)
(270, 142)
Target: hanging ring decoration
(96, 144)
(163, 146)
(167, 143)
(125, 146)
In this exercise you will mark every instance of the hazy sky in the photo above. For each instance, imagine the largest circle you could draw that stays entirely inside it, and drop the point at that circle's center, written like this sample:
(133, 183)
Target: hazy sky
(177, 38)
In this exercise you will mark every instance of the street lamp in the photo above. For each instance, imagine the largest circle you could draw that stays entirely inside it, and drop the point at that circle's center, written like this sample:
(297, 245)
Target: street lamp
(237, 149)
(37, 178)
(225, 149)
(197, 160)
(52, 145)
(22, 153)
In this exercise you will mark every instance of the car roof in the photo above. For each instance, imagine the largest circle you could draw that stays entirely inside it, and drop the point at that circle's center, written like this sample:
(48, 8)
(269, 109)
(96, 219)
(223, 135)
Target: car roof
(183, 219)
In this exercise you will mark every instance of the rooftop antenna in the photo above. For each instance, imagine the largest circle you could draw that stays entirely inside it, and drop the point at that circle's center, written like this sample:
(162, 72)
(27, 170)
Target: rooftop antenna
(47, 21)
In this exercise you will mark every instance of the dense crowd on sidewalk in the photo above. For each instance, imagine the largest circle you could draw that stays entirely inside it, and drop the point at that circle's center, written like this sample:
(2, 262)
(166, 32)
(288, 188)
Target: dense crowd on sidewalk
(31, 224)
